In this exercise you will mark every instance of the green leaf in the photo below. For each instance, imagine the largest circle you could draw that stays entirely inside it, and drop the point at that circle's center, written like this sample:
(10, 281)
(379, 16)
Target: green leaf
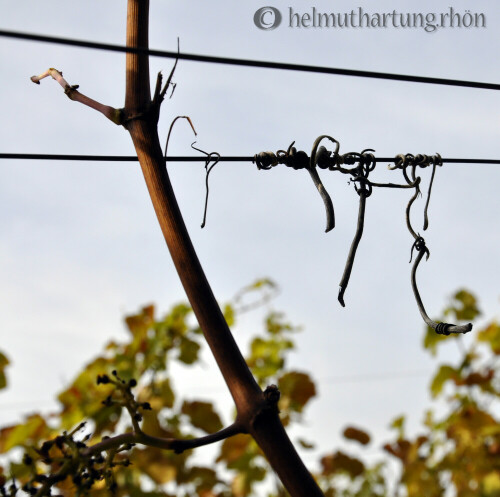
(398, 424)
(234, 448)
(275, 324)
(188, 351)
(263, 282)
(229, 315)
(32, 430)
(159, 394)
(176, 320)
(243, 482)
(491, 335)
(305, 444)
(167, 393)
(202, 416)
(433, 339)
(140, 323)
(296, 390)
(445, 373)
(161, 466)
(19, 471)
(4, 362)
(463, 307)
(265, 289)
(267, 356)
(204, 479)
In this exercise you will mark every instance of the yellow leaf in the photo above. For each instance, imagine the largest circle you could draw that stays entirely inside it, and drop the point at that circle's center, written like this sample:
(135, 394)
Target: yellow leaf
(202, 416)
(491, 485)
(233, 448)
(32, 430)
(296, 390)
(444, 374)
(491, 335)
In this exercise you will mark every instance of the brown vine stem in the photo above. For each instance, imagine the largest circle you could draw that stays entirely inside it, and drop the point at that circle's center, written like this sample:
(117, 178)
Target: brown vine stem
(144, 134)
(254, 413)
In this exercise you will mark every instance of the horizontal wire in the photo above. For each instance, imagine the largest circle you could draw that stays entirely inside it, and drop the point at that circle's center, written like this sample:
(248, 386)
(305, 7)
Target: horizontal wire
(117, 158)
(249, 62)
(185, 158)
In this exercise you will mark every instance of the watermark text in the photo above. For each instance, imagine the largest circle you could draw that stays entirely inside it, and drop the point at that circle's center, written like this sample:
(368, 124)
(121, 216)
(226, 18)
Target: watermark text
(268, 18)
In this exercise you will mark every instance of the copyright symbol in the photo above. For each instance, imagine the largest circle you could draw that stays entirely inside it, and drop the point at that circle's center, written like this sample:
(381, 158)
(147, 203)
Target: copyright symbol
(267, 18)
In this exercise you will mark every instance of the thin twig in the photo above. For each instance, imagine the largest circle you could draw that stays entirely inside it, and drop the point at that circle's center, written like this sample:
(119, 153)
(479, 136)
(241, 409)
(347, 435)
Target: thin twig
(170, 131)
(160, 92)
(175, 444)
(114, 115)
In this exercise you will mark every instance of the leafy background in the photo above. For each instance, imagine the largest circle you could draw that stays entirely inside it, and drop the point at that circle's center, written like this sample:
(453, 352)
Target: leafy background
(455, 452)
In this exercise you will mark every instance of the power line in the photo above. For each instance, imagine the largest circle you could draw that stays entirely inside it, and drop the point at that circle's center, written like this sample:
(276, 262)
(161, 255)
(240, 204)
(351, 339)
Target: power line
(185, 158)
(249, 62)
(117, 158)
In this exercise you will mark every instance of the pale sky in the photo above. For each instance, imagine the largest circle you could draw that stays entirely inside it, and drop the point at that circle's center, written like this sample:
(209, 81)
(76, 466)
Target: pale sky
(80, 245)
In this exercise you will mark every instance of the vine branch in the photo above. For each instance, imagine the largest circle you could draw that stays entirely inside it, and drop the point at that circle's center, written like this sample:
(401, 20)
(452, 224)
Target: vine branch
(114, 115)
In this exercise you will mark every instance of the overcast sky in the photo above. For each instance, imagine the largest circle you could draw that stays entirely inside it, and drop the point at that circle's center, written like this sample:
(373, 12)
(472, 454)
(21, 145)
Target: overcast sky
(80, 245)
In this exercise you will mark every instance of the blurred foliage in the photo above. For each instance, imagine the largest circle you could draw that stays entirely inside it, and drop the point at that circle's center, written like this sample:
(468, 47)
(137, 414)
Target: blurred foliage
(4, 362)
(457, 451)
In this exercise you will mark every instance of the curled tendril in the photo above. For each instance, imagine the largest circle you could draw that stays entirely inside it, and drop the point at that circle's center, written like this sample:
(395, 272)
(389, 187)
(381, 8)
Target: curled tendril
(188, 119)
(211, 157)
(291, 157)
(323, 163)
(363, 163)
(265, 160)
(298, 159)
(327, 201)
(419, 245)
(437, 162)
(320, 160)
(440, 328)
(416, 184)
(364, 191)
